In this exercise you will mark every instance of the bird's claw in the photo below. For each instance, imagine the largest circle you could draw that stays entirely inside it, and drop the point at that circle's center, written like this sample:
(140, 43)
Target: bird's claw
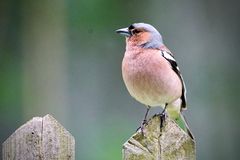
(144, 122)
(162, 119)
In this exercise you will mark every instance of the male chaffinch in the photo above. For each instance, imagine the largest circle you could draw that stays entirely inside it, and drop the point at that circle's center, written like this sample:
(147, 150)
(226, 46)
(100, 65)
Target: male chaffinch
(151, 74)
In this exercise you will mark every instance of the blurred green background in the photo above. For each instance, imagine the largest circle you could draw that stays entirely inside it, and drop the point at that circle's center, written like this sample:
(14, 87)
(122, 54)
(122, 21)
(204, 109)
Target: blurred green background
(63, 58)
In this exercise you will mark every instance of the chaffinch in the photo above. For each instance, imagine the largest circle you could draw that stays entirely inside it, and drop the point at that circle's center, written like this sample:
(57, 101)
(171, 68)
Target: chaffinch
(151, 74)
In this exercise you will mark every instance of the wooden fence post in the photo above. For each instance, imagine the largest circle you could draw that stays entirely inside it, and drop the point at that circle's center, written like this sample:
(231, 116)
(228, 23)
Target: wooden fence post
(172, 143)
(41, 138)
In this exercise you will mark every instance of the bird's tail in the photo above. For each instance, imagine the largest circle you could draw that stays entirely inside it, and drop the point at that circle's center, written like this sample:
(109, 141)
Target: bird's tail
(182, 123)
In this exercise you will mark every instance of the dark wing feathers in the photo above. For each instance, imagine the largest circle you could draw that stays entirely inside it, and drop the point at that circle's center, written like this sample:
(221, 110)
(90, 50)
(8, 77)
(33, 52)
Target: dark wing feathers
(169, 57)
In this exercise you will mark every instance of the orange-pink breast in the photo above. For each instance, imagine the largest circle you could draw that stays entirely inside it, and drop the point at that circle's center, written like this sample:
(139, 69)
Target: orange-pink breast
(149, 78)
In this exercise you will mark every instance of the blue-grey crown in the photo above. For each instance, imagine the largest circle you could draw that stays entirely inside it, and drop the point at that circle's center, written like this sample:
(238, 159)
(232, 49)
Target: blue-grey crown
(155, 39)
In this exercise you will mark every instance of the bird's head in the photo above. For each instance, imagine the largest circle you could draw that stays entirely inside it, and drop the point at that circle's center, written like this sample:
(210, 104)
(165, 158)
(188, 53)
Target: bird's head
(141, 35)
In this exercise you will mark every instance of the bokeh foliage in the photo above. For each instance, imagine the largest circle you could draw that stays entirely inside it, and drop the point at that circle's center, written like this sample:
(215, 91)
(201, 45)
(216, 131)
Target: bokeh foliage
(63, 58)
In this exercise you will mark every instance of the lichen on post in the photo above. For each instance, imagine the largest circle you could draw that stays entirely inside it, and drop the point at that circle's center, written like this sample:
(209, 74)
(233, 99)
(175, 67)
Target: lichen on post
(169, 143)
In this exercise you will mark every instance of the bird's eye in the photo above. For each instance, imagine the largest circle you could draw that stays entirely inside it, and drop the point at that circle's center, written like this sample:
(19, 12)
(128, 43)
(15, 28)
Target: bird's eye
(131, 27)
(136, 31)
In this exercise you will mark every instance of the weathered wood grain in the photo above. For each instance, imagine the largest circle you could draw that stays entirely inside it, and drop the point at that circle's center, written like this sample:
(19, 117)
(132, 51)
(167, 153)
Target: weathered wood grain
(171, 143)
(40, 139)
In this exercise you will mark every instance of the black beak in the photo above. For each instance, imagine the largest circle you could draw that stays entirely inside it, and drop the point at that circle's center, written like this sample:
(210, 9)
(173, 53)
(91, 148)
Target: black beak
(124, 31)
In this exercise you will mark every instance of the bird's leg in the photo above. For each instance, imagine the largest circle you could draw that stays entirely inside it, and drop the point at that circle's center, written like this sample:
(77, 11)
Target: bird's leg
(144, 120)
(145, 117)
(163, 116)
